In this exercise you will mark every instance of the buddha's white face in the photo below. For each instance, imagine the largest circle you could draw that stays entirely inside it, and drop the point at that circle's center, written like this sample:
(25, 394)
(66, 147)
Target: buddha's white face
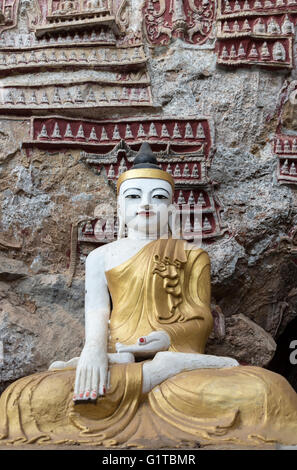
(144, 203)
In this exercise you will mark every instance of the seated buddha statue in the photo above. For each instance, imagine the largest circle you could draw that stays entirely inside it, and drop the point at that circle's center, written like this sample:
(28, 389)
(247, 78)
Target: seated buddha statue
(142, 378)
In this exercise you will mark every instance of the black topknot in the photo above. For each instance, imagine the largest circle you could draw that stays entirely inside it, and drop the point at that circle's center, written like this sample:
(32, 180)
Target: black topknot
(145, 158)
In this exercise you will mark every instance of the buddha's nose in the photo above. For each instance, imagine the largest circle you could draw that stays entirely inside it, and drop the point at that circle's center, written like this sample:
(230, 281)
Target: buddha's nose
(145, 202)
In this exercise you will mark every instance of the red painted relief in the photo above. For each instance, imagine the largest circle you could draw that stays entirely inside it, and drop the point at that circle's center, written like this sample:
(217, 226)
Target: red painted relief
(285, 147)
(258, 32)
(182, 135)
(285, 139)
(190, 20)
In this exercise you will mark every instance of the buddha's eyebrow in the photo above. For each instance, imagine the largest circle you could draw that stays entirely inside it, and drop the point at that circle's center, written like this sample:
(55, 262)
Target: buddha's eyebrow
(161, 189)
(131, 189)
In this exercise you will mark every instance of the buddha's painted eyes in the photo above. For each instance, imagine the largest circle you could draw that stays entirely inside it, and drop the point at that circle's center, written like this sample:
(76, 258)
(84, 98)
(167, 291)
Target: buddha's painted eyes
(137, 196)
(133, 196)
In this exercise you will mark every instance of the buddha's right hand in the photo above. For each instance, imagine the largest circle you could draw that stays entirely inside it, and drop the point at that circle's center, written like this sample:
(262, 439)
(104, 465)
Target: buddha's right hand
(91, 374)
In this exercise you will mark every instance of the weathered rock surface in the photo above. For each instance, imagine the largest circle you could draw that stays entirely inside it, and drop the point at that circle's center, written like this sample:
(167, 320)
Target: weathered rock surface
(245, 341)
(11, 269)
(40, 321)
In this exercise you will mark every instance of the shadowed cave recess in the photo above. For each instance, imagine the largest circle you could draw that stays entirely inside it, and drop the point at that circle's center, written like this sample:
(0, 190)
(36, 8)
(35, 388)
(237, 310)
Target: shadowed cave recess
(281, 362)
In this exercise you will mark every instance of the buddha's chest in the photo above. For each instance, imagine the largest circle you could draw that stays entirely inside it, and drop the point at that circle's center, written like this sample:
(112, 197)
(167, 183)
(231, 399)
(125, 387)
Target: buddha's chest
(121, 251)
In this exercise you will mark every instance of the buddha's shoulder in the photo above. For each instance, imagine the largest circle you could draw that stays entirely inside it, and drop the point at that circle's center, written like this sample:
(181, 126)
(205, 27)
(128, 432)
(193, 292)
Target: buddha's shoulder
(102, 252)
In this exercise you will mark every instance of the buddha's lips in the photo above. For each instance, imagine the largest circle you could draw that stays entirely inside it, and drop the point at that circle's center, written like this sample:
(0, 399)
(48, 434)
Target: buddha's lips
(146, 213)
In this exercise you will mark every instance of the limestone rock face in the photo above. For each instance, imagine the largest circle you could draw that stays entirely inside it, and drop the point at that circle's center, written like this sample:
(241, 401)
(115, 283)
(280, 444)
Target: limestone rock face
(245, 341)
(40, 321)
(46, 191)
(11, 269)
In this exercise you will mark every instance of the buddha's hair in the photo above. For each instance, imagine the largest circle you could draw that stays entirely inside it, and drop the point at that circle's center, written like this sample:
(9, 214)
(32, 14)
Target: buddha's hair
(145, 166)
(145, 158)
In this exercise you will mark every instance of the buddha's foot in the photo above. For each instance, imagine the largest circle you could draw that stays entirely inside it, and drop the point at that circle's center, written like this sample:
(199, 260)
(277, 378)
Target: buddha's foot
(58, 365)
(167, 364)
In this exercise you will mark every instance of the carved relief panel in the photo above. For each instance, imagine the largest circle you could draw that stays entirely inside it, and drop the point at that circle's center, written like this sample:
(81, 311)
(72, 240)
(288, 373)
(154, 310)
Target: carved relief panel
(190, 20)
(73, 15)
(26, 59)
(114, 66)
(258, 32)
(8, 13)
(285, 148)
(88, 96)
(285, 139)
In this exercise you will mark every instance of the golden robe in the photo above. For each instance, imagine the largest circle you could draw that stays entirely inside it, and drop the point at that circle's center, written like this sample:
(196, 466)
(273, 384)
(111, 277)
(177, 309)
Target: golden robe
(165, 286)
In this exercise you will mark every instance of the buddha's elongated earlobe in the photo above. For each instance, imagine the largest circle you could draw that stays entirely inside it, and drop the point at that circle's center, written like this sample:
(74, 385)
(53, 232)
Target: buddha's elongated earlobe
(121, 231)
(121, 216)
(173, 222)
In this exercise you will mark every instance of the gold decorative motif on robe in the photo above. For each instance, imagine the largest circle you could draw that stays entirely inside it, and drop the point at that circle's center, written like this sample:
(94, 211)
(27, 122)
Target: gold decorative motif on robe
(165, 286)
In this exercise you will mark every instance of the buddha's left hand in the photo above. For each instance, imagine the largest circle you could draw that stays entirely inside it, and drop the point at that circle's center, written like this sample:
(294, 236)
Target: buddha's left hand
(147, 346)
